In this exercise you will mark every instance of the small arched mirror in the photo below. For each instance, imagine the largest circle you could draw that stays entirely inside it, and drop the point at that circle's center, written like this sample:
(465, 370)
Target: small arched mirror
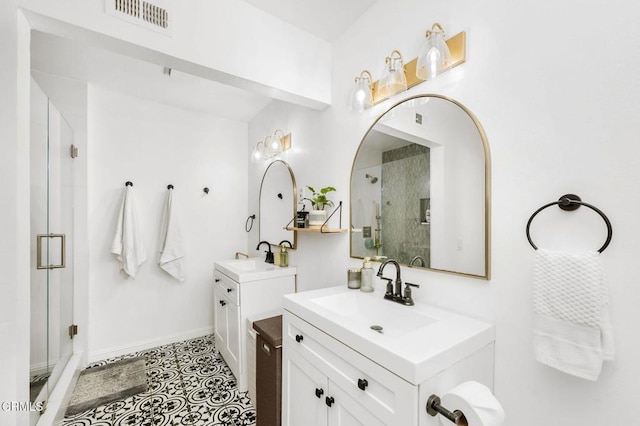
(277, 203)
(420, 188)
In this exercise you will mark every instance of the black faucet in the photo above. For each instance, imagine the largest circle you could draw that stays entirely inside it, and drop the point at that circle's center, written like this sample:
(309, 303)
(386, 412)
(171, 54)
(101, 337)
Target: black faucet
(396, 294)
(269, 257)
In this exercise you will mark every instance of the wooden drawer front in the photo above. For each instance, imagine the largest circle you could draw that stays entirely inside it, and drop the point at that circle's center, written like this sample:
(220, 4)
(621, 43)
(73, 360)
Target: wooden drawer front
(385, 395)
(227, 286)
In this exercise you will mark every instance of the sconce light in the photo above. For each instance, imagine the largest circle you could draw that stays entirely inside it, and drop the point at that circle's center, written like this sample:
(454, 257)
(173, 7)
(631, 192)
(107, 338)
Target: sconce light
(393, 79)
(434, 57)
(362, 95)
(271, 146)
(258, 153)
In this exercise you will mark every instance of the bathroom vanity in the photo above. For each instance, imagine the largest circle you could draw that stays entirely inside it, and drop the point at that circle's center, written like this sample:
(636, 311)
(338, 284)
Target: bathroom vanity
(351, 358)
(245, 288)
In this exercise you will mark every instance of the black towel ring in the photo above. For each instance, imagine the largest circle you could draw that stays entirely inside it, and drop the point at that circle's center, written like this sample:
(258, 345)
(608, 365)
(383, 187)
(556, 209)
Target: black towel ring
(570, 202)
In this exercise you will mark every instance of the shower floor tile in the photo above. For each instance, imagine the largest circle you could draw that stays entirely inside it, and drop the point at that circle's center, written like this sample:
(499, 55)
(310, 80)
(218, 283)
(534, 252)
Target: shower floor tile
(189, 384)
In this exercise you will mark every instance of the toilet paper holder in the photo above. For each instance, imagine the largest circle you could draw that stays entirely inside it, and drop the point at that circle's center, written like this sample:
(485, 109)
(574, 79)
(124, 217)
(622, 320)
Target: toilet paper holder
(434, 408)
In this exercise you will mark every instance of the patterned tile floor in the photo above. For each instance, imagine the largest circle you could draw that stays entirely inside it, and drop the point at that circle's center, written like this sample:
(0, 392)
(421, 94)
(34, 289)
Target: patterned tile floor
(189, 384)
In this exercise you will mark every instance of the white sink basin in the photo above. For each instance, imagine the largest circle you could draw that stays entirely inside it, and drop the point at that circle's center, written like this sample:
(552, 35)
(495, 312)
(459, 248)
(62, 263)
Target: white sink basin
(252, 269)
(416, 342)
(379, 315)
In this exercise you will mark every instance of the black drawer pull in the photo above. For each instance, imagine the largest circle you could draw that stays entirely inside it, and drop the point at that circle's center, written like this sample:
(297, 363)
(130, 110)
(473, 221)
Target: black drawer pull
(222, 303)
(329, 401)
(362, 384)
(319, 392)
(299, 338)
(217, 280)
(229, 290)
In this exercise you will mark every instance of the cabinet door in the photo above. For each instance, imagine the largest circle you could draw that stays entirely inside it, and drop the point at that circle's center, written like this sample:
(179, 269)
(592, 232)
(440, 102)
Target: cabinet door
(345, 411)
(304, 392)
(220, 315)
(233, 338)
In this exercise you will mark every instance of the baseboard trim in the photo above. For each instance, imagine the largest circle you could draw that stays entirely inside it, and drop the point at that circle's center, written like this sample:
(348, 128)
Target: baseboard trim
(147, 344)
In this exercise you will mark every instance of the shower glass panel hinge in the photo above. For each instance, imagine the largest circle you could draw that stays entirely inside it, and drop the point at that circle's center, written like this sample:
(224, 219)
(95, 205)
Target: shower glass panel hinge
(73, 151)
(73, 330)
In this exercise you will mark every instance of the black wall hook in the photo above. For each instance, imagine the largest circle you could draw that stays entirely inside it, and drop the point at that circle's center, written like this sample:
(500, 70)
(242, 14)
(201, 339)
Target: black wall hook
(128, 183)
(169, 186)
(206, 190)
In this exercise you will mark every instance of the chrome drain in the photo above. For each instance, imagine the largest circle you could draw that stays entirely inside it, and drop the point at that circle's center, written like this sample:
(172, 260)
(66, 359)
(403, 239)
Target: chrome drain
(377, 328)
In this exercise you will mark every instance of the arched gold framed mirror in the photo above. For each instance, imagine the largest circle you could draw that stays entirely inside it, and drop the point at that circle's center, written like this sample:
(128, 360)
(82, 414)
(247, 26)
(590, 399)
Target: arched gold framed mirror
(278, 201)
(421, 188)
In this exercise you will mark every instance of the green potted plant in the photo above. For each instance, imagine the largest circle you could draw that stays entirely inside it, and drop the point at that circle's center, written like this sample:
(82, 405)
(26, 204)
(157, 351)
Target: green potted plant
(319, 201)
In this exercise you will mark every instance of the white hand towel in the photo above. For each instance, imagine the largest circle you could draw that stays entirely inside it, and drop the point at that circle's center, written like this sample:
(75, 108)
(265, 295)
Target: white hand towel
(171, 246)
(572, 330)
(127, 242)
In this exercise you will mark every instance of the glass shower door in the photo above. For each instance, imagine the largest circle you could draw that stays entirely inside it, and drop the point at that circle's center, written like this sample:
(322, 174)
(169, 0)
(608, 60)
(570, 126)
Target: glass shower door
(52, 187)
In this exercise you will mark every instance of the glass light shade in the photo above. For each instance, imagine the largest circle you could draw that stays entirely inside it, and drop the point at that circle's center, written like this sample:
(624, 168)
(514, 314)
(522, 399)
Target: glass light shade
(274, 146)
(361, 97)
(393, 78)
(258, 154)
(434, 57)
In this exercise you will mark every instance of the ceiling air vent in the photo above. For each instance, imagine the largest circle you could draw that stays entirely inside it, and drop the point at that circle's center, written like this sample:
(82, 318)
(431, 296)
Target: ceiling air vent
(151, 15)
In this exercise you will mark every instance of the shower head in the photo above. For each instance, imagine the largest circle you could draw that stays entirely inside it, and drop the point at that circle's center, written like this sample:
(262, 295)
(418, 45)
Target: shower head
(372, 179)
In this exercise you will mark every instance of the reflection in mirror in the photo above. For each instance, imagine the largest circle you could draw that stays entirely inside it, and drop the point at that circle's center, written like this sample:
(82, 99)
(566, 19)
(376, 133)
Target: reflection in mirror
(420, 188)
(277, 203)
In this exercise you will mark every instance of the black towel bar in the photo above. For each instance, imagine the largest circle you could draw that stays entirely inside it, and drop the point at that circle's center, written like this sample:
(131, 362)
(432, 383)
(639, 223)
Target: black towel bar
(570, 202)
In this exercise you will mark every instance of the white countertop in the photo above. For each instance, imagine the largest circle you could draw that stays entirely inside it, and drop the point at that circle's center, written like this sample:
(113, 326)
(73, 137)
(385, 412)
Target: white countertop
(417, 341)
(252, 269)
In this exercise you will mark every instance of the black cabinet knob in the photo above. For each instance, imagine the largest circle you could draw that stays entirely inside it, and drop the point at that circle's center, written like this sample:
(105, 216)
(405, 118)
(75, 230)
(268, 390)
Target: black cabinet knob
(329, 401)
(319, 392)
(217, 280)
(362, 384)
(299, 338)
(229, 290)
(222, 303)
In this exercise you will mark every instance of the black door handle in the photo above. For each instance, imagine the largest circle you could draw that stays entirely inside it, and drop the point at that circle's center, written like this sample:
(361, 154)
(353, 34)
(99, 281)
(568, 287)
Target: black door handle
(319, 392)
(329, 401)
(222, 303)
(299, 338)
(362, 384)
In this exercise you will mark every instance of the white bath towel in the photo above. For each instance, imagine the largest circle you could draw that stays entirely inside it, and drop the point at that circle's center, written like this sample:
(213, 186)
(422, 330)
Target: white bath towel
(127, 243)
(571, 330)
(171, 244)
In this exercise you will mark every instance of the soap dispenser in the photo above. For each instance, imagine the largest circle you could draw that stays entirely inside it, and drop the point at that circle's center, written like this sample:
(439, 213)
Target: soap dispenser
(284, 254)
(366, 276)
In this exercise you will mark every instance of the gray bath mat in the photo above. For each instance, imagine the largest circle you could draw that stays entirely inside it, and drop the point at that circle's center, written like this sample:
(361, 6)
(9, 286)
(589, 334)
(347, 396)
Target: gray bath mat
(107, 383)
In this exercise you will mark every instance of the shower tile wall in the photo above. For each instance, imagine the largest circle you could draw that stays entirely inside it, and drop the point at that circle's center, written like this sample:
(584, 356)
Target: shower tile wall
(405, 181)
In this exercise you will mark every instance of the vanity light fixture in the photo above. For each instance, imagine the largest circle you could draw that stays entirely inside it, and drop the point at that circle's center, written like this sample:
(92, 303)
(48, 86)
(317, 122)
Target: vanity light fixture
(435, 56)
(271, 146)
(362, 94)
(393, 79)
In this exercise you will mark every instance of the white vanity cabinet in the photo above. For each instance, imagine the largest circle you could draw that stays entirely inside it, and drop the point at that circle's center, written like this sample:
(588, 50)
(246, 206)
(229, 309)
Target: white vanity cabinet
(325, 380)
(337, 370)
(245, 289)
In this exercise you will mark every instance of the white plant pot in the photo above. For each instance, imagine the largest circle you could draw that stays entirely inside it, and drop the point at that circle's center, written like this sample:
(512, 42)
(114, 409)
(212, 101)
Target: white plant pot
(317, 217)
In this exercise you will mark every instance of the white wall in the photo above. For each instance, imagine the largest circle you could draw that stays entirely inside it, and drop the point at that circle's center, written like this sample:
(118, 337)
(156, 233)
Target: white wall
(14, 218)
(559, 118)
(154, 145)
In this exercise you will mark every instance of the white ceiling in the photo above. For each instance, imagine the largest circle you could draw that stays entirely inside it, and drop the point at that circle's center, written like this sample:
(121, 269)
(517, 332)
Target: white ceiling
(123, 74)
(50, 54)
(326, 19)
